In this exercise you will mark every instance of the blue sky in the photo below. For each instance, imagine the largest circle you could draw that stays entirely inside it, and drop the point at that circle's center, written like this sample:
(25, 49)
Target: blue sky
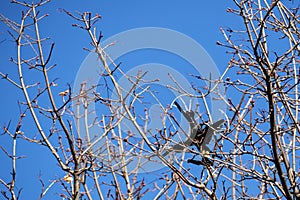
(200, 20)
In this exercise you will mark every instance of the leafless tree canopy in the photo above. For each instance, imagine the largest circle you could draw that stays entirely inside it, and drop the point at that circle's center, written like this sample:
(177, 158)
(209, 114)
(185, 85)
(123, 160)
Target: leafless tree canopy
(256, 153)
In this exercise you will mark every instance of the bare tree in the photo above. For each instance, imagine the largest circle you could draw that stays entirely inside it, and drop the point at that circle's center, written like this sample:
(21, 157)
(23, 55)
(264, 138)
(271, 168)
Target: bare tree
(255, 151)
(265, 120)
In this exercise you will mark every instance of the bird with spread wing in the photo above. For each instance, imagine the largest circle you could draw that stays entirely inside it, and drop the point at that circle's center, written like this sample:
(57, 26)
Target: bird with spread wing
(200, 135)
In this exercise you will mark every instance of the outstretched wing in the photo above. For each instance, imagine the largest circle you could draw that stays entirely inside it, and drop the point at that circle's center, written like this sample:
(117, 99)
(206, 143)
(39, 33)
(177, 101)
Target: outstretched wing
(198, 136)
(210, 132)
(189, 116)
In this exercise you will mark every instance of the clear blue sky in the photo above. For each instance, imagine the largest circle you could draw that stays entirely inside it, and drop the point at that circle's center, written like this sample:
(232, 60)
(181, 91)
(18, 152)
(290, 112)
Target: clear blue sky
(201, 20)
